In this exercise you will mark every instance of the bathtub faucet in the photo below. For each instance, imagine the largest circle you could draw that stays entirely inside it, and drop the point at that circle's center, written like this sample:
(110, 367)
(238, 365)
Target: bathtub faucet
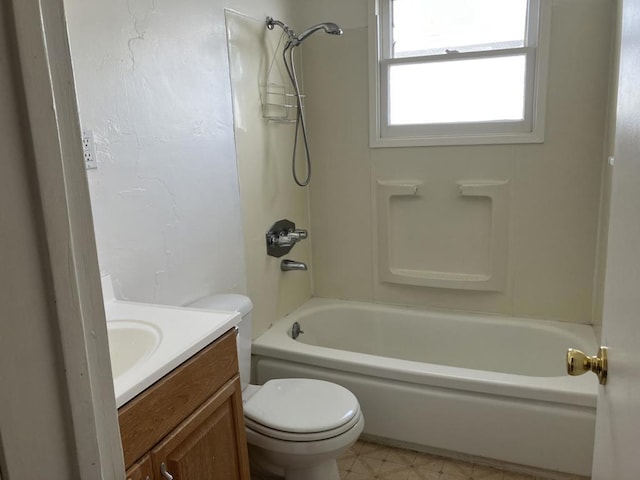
(290, 265)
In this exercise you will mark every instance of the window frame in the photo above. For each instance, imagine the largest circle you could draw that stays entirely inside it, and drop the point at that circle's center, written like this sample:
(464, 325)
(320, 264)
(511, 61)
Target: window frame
(529, 130)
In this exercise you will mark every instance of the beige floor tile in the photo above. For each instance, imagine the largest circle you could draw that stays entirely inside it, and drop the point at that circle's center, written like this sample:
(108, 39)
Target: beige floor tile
(403, 457)
(402, 475)
(371, 461)
(453, 476)
(482, 472)
(359, 476)
(428, 462)
(366, 465)
(393, 471)
(420, 473)
(351, 451)
(454, 467)
(346, 461)
(371, 450)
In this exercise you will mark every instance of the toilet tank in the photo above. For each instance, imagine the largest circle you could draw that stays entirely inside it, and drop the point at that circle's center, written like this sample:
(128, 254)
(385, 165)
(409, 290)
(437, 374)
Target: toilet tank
(237, 303)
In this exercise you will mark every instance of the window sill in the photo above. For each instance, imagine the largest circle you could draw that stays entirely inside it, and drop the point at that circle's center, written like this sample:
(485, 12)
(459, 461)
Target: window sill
(375, 141)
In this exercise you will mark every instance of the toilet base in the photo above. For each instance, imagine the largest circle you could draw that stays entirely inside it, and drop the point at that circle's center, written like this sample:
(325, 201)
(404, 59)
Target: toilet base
(313, 460)
(327, 470)
(263, 468)
(323, 471)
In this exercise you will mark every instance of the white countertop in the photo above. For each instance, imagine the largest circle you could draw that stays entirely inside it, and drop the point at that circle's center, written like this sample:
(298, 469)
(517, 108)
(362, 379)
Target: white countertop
(171, 336)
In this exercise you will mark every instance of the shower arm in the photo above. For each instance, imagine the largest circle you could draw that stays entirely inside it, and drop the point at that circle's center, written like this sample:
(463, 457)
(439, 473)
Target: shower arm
(293, 39)
(296, 40)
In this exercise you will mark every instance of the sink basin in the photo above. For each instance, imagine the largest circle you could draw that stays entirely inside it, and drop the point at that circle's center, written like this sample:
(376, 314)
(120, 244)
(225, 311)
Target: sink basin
(148, 341)
(131, 342)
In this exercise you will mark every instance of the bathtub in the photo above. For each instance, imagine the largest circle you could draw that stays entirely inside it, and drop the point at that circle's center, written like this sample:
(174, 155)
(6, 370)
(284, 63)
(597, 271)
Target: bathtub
(485, 386)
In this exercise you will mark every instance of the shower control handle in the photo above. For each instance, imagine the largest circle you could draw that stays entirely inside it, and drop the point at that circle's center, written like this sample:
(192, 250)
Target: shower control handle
(298, 235)
(287, 239)
(579, 363)
(281, 240)
(282, 236)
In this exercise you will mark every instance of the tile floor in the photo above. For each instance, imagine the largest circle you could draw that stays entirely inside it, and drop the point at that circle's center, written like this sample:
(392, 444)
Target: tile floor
(370, 461)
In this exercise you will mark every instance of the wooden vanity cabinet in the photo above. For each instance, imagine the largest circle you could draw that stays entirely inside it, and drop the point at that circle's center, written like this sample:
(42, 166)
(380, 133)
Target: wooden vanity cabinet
(190, 423)
(141, 470)
(206, 446)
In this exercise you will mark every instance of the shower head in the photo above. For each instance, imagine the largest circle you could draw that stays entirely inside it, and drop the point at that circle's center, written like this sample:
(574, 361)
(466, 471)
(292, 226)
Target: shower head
(330, 28)
(296, 40)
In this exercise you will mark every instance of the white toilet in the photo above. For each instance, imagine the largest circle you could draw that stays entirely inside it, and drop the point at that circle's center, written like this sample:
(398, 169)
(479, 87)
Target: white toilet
(296, 428)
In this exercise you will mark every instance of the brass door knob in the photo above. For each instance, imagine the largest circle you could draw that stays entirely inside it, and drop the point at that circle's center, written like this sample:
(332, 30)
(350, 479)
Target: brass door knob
(579, 363)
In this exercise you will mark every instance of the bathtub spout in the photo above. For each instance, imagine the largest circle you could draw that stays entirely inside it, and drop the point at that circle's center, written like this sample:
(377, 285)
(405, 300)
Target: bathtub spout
(290, 265)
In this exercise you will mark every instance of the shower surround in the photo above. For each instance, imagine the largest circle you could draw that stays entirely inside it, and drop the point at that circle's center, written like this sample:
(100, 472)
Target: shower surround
(507, 229)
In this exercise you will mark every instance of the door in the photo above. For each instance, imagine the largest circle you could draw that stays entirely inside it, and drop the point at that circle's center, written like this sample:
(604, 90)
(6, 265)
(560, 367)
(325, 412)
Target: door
(617, 443)
(142, 470)
(210, 444)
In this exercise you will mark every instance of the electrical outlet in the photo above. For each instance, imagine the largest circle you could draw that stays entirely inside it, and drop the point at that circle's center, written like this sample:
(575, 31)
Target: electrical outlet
(89, 150)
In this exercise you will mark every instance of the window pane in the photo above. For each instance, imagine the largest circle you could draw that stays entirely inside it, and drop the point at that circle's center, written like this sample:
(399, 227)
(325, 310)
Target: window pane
(428, 27)
(457, 91)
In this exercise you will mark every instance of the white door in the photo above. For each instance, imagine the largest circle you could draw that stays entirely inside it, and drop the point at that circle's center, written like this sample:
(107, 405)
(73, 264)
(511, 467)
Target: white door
(617, 444)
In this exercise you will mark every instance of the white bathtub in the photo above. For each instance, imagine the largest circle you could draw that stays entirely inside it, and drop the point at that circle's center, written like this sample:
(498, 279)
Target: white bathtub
(492, 387)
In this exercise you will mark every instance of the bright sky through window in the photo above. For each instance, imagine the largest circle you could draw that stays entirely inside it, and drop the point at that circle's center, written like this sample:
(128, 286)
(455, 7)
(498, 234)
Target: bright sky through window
(440, 92)
(427, 27)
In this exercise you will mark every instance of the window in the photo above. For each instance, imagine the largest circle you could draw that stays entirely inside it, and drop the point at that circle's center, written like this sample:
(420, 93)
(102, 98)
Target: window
(448, 72)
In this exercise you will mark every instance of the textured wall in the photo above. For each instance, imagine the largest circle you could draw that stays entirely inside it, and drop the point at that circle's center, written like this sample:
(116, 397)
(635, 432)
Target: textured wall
(153, 84)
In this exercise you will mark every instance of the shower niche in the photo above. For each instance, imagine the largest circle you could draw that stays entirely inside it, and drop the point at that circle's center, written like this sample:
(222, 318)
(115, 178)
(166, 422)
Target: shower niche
(454, 236)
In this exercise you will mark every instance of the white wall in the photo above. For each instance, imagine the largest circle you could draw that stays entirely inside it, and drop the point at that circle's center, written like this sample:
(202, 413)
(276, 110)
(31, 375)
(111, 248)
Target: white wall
(554, 187)
(607, 172)
(153, 85)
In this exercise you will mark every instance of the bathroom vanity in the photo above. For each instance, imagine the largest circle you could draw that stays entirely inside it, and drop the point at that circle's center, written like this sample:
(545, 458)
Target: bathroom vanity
(177, 387)
(189, 424)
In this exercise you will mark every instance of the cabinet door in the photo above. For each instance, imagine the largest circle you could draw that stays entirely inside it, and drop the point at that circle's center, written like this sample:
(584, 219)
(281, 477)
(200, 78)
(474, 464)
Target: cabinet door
(142, 470)
(159, 410)
(210, 444)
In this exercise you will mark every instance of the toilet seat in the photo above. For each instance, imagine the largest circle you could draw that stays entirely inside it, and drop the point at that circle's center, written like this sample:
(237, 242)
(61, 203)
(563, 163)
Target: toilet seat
(301, 437)
(299, 410)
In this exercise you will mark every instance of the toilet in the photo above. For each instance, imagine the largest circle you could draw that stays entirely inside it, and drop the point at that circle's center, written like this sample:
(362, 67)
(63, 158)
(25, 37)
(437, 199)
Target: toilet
(296, 427)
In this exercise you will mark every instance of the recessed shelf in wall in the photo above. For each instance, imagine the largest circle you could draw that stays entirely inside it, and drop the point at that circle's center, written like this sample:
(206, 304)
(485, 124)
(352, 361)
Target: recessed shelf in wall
(495, 276)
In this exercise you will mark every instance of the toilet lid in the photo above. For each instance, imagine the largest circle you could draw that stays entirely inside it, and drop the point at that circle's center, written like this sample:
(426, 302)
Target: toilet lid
(299, 405)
